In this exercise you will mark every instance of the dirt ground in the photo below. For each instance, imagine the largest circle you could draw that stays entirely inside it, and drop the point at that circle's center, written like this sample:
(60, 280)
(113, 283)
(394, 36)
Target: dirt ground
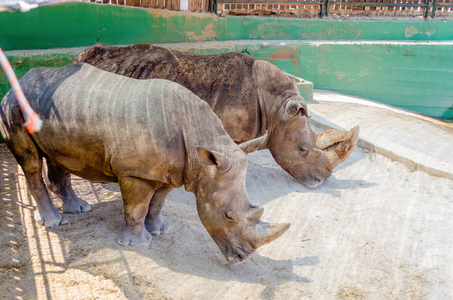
(375, 230)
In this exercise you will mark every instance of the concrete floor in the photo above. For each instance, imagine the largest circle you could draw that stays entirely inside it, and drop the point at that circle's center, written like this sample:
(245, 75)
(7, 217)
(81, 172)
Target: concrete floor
(420, 142)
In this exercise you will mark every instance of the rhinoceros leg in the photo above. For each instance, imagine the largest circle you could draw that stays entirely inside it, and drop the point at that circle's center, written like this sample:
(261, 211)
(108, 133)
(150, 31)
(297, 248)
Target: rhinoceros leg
(30, 159)
(60, 184)
(155, 223)
(136, 194)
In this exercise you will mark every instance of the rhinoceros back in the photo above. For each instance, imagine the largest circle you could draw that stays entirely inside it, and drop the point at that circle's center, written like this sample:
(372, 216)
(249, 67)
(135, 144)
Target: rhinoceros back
(110, 123)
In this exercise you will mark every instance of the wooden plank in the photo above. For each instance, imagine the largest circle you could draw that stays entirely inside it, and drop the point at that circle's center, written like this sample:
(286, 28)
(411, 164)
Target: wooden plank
(168, 4)
(120, 2)
(129, 2)
(176, 5)
(205, 5)
(145, 3)
(161, 4)
(198, 5)
(137, 3)
(192, 5)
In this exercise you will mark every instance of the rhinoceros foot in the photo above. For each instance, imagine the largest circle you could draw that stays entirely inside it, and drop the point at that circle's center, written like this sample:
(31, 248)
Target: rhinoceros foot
(75, 205)
(158, 226)
(51, 218)
(135, 238)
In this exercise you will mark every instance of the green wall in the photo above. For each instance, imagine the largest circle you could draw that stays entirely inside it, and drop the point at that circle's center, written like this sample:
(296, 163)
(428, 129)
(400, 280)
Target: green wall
(83, 24)
(412, 75)
(404, 63)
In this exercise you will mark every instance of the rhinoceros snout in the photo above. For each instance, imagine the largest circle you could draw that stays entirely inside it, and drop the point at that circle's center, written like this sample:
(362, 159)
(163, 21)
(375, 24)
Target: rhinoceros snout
(314, 182)
(236, 256)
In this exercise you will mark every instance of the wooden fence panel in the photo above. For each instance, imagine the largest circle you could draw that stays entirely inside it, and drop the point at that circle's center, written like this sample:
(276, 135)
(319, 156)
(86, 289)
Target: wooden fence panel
(407, 8)
(298, 8)
(306, 8)
(167, 4)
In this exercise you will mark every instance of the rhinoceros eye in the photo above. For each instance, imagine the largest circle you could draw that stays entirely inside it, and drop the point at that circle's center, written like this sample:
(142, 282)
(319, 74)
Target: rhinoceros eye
(303, 151)
(229, 216)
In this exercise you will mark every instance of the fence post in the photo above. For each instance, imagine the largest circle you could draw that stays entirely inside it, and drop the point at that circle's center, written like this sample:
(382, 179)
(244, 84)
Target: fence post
(427, 9)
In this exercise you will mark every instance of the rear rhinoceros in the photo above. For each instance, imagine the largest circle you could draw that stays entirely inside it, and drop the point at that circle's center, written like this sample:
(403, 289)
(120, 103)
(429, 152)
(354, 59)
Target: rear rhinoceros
(249, 95)
(149, 136)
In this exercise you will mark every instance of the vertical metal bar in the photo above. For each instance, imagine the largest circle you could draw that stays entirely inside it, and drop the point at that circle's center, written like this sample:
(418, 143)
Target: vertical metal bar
(427, 9)
(321, 5)
(327, 8)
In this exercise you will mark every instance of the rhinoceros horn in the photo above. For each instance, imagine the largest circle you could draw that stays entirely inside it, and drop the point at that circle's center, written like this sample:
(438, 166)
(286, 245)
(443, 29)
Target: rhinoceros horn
(337, 144)
(255, 213)
(266, 232)
(254, 144)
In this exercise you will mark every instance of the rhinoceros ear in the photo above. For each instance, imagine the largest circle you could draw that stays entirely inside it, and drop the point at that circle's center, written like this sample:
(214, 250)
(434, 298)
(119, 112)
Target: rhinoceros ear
(295, 108)
(255, 144)
(211, 157)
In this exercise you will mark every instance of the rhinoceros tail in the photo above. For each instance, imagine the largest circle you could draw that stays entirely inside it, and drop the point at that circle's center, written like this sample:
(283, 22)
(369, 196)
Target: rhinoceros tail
(32, 121)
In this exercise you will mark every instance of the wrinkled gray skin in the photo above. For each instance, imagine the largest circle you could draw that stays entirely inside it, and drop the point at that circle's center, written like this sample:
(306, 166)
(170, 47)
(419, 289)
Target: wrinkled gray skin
(249, 95)
(150, 137)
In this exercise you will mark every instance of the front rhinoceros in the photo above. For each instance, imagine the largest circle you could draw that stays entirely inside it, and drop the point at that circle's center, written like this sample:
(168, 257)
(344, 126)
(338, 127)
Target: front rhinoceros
(249, 95)
(149, 136)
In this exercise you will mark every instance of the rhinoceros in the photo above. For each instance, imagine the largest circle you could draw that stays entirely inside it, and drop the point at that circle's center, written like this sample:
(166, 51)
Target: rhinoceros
(150, 136)
(249, 95)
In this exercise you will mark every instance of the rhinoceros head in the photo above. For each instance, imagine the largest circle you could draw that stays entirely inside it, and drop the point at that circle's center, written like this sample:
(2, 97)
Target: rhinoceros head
(293, 144)
(224, 207)
(307, 157)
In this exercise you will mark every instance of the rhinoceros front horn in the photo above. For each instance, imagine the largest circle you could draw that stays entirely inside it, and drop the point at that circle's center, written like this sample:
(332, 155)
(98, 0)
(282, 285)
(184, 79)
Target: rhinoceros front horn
(254, 144)
(266, 232)
(337, 144)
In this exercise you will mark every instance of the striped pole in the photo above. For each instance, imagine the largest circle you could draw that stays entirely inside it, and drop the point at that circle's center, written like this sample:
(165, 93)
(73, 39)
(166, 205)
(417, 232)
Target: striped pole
(32, 121)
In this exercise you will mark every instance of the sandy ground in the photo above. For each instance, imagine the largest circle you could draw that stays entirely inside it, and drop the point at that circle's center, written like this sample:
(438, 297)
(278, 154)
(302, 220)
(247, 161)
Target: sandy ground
(375, 230)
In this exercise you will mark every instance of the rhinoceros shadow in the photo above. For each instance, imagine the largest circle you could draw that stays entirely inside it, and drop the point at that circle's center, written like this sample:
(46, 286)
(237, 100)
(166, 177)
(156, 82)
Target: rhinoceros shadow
(267, 181)
(188, 250)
